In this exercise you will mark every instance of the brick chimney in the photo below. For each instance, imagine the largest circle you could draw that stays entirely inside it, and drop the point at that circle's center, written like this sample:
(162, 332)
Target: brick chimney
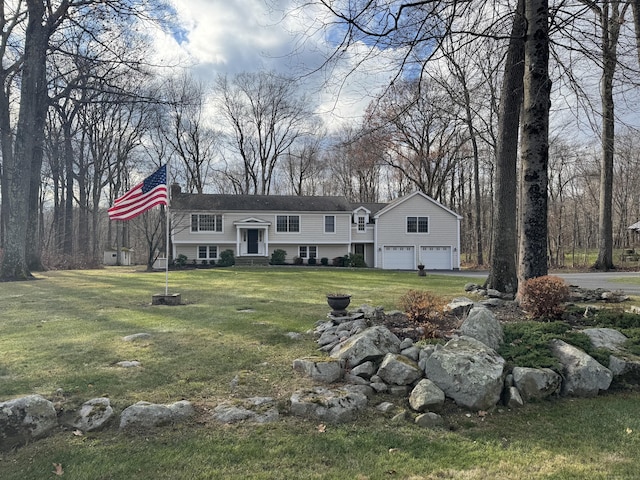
(175, 189)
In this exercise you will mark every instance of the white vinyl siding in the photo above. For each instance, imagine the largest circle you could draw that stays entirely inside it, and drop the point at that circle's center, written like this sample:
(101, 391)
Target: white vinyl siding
(442, 226)
(311, 232)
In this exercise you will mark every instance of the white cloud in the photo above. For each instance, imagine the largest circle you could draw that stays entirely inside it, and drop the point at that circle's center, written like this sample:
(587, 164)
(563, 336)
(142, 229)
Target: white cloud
(233, 36)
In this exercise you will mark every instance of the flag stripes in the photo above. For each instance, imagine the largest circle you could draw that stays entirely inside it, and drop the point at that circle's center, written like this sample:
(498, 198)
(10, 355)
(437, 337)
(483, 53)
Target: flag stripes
(151, 192)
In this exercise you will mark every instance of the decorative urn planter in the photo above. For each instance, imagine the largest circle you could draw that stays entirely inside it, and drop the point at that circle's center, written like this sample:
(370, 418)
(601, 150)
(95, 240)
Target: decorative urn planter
(421, 272)
(338, 303)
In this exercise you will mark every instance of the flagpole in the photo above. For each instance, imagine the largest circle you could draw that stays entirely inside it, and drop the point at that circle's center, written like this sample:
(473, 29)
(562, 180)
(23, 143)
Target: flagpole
(166, 243)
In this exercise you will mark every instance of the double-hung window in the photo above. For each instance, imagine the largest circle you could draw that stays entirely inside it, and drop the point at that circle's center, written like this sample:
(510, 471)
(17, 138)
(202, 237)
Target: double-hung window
(329, 224)
(287, 223)
(207, 252)
(362, 226)
(417, 224)
(205, 222)
(307, 251)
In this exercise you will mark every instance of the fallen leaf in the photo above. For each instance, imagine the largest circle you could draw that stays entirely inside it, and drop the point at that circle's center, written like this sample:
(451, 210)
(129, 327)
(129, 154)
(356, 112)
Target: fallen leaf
(482, 413)
(58, 471)
(322, 428)
(78, 433)
(629, 431)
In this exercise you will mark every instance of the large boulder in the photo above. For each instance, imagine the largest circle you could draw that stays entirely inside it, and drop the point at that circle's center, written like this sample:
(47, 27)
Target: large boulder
(625, 368)
(425, 396)
(254, 409)
(331, 406)
(371, 344)
(583, 375)
(536, 383)
(145, 415)
(608, 338)
(323, 369)
(397, 369)
(469, 372)
(429, 420)
(512, 398)
(93, 415)
(460, 306)
(25, 419)
(483, 325)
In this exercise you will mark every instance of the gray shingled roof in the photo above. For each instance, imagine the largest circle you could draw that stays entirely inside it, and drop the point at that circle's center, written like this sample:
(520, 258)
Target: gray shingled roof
(372, 207)
(279, 203)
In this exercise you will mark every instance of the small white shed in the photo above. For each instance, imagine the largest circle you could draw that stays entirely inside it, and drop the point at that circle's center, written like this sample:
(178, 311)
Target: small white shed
(111, 256)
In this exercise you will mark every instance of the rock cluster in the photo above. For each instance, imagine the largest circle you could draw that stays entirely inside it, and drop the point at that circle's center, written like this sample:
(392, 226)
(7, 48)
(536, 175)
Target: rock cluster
(467, 369)
(576, 294)
(28, 418)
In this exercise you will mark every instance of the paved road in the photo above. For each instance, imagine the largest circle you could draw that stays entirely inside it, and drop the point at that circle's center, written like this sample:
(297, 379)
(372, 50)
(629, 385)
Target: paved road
(591, 280)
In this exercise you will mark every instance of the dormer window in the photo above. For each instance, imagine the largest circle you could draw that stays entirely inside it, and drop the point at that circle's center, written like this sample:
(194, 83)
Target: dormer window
(361, 218)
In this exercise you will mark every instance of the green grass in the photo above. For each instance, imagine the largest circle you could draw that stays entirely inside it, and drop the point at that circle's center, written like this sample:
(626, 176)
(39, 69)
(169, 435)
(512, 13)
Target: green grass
(65, 331)
(587, 258)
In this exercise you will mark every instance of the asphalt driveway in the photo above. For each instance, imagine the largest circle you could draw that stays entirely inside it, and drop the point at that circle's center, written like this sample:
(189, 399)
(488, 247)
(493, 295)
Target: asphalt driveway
(590, 280)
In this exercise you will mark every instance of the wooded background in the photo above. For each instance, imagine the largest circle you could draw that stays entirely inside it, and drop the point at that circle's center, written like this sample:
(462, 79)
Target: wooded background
(110, 118)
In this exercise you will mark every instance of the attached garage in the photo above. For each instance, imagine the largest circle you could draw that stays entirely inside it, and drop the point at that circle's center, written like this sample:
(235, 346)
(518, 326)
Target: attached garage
(399, 258)
(436, 258)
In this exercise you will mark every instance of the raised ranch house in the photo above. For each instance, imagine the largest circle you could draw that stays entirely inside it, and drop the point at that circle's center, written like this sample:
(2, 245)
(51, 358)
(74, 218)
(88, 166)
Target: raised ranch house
(409, 231)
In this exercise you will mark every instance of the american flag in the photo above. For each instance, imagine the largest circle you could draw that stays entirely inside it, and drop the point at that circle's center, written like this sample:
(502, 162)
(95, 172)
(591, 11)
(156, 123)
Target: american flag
(151, 192)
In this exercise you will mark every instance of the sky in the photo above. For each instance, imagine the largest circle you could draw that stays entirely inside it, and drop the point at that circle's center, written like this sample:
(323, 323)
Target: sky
(233, 36)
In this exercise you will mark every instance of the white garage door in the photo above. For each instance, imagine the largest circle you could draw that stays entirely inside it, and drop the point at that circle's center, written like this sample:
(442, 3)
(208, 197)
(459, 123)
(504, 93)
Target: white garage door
(398, 258)
(436, 258)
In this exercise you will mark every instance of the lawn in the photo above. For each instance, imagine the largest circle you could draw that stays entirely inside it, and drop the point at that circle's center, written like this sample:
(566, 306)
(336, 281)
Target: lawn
(64, 331)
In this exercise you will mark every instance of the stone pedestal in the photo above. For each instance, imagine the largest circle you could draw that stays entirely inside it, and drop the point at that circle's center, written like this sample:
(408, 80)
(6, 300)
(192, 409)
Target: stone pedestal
(170, 299)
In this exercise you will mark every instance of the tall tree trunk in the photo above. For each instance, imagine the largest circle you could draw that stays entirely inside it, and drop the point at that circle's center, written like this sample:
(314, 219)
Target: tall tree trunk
(6, 143)
(67, 244)
(34, 225)
(533, 260)
(610, 32)
(504, 244)
(635, 4)
(25, 165)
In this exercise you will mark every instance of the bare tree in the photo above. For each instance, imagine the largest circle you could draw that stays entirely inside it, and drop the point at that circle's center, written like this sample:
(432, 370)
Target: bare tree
(267, 115)
(356, 162)
(183, 125)
(535, 143)
(503, 275)
(21, 169)
(303, 167)
(610, 16)
(407, 25)
(423, 129)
